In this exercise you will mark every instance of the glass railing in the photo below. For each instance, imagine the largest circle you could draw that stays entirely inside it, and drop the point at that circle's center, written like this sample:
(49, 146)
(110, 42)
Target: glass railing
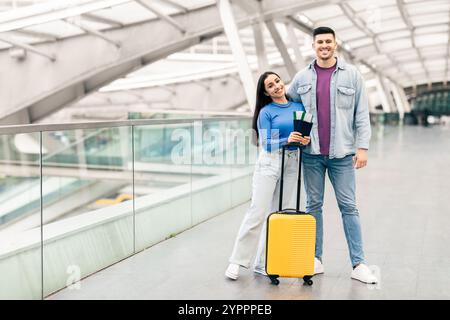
(77, 198)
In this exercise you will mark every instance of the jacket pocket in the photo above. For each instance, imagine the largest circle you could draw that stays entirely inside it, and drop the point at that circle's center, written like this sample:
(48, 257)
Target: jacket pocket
(345, 97)
(305, 93)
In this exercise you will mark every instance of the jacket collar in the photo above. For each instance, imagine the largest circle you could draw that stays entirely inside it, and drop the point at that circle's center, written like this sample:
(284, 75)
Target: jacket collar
(341, 64)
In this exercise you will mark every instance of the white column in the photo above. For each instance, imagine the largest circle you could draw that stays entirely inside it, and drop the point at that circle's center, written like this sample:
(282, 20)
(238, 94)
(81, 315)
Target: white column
(406, 104)
(300, 61)
(81, 152)
(231, 31)
(258, 33)
(386, 100)
(263, 63)
(398, 101)
(281, 48)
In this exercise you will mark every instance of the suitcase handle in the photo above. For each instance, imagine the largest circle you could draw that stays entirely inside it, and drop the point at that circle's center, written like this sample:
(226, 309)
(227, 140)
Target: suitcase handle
(300, 147)
(293, 211)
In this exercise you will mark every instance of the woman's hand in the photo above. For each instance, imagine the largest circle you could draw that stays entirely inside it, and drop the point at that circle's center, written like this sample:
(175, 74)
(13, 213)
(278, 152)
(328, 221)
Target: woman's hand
(298, 137)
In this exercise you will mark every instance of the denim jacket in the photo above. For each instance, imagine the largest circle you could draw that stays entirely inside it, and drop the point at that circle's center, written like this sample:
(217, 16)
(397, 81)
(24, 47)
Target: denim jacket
(349, 119)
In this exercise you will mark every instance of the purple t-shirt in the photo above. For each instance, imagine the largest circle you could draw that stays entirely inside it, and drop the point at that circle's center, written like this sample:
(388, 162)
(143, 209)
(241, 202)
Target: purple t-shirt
(323, 106)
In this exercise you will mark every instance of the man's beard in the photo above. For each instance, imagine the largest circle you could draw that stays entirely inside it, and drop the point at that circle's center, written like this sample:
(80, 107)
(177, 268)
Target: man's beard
(330, 56)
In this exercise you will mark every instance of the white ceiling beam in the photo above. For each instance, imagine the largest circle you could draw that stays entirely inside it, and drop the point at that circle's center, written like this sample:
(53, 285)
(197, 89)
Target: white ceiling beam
(300, 61)
(96, 18)
(162, 15)
(27, 47)
(387, 21)
(282, 8)
(232, 33)
(78, 23)
(351, 15)
(290, 67)
(202, 84)
(261, 53)
(250, 6)
(176, 5)
(258, 32)
(38, 35)
(40, 14)
(390, 39)
(407, 21)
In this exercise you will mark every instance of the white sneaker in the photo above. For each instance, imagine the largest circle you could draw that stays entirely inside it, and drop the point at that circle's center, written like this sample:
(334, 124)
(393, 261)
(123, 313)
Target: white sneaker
(364, 274)
(318, 267)
(260, 270)
(232, 271)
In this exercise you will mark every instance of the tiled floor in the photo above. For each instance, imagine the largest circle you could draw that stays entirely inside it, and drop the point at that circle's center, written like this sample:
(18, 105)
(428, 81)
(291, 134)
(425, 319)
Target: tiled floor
(404, 204)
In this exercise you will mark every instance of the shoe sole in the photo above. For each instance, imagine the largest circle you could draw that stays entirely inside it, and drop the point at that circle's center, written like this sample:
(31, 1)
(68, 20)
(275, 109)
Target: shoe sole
(231, 276)
(262, 273)
(363, 281)
(320, 271)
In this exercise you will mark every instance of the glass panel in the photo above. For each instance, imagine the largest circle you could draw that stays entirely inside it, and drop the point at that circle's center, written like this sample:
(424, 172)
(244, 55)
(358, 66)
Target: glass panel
(398, 44)
(395, 35)
(162, 181)
(348, 34)
(87, 203)
(57, 28)
(211, 173)
(360, 42)
(336, 23)
(405, 55)
(324, 12)
(439, 50)
(129, 12)
(431, 29)
(430, 40)
(242, 161)
(20, 217)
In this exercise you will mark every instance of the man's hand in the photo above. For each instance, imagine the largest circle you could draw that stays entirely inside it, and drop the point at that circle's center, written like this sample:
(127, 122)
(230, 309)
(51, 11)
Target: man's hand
(360, 159)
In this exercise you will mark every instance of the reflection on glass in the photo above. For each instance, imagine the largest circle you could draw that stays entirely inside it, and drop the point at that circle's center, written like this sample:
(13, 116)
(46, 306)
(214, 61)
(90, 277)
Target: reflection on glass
(110, 192)
(162, 181)
(243, 155)
(87, 203)
(20, 215)
(211, 169)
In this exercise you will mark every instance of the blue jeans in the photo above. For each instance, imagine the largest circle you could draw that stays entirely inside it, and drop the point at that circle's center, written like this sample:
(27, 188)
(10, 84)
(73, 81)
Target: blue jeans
(342, 177)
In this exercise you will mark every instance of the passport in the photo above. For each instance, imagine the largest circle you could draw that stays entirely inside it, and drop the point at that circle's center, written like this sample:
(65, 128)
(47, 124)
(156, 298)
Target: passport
(303, 122)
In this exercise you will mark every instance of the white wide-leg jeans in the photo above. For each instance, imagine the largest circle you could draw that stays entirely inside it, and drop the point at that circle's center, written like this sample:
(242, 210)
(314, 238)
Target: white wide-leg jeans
(265, 200)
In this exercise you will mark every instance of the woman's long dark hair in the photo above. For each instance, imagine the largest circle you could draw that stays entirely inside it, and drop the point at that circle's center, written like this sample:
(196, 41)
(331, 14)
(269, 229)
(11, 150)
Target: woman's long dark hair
(261, 101)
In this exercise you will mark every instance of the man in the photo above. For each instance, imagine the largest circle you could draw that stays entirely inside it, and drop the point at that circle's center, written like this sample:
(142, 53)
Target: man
(333, 92)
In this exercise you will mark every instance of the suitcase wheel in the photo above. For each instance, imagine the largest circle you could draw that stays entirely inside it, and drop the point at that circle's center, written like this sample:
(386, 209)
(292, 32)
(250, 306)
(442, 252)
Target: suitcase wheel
(307, 280)
(274, 280)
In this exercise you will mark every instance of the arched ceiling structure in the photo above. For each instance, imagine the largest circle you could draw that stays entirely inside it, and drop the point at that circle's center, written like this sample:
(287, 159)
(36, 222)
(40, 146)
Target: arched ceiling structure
(57, 52)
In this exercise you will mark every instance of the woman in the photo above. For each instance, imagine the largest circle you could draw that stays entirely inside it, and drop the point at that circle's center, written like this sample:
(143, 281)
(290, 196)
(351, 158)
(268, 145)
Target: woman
(273, 125)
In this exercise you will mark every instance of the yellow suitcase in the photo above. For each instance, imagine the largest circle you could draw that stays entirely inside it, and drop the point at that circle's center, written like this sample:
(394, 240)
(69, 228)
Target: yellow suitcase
(291, 238)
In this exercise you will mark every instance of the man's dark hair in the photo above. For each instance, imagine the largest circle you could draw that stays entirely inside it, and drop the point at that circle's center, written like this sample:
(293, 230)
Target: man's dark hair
(323, 30)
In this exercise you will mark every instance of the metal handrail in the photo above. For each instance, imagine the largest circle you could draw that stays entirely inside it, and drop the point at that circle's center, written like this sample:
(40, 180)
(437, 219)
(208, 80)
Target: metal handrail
(31, 128)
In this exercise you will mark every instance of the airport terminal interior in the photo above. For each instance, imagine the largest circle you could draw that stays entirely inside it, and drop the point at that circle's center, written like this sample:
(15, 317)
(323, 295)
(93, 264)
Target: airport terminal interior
(126, 160)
